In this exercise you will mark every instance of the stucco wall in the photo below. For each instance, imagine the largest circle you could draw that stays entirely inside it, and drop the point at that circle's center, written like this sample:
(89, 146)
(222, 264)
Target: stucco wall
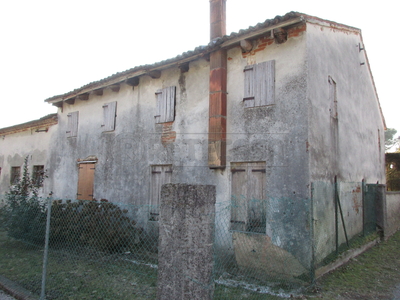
(393, 212)
(334, 52)
(276, 134)
(15, 147)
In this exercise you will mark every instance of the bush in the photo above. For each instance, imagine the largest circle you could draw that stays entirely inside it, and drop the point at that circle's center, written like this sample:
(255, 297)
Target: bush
(100, 225)
(24, 213)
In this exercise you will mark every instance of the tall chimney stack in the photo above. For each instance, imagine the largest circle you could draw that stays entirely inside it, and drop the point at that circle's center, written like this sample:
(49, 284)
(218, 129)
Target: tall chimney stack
(217, 18)
(218, 92)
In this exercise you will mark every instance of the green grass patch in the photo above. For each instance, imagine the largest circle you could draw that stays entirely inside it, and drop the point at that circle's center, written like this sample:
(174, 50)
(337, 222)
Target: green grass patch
(371, 275)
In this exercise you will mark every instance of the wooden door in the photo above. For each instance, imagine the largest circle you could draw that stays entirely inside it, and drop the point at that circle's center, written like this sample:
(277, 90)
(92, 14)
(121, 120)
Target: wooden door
(85, 181)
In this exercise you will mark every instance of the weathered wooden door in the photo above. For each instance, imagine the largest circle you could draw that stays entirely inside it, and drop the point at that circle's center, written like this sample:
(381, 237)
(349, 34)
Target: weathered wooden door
(248, 211)
(85, 181)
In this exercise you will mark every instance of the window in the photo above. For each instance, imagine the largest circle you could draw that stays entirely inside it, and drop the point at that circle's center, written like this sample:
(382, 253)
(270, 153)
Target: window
(159, 175)
(38, 175)
(109, 114)
(72, 124)
(15, 174)
(85, 181)
(259, 84)
(248, 210)
(332, 98)
(165, 105)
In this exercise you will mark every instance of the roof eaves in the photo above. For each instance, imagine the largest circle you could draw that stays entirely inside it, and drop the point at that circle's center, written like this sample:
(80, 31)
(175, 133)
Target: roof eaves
(48, 120)
(201, 51)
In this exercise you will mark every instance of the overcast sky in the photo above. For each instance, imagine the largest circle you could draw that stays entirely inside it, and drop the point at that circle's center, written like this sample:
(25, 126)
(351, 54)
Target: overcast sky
(52, 47)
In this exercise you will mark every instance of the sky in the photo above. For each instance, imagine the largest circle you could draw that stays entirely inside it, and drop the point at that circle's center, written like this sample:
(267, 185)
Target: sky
(49, 48)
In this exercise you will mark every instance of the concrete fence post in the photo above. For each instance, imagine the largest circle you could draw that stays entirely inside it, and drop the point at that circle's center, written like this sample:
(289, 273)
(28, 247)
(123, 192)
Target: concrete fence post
(186, 235)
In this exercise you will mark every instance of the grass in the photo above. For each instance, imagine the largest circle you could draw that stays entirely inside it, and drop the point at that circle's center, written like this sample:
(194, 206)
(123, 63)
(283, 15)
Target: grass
(77, 276)
(375, 274)
(90, 275)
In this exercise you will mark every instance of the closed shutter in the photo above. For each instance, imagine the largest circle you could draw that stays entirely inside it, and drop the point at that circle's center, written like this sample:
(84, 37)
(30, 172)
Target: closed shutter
(259, 84)
(249, 92)
(109, 114)
(239, 197)
(72, 124)
(159, 175)
(256, 198)
(248, 211)
(85, 181)
(165, 105)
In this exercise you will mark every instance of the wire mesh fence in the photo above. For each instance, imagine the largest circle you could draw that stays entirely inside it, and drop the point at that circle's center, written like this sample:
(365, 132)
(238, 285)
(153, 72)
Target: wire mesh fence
(104, 250)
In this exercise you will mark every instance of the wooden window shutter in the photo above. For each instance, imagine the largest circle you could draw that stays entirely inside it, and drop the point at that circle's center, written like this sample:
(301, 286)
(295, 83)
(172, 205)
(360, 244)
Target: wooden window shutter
(332, 98)
(159, 175)
(259, 84)
(72, 125)
(169, 94)
(109, 115)
(248, 210)
(249, 93)
(239, 197)
(165, 105)
(256, 198)
(85, 181)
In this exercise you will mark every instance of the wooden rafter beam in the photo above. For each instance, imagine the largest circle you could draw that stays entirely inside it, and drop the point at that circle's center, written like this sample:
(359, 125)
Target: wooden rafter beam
(184, 67)
(155, 74)
(115, 87)
(134, 81)
(98, 92)
(70, 101)
(84, 96)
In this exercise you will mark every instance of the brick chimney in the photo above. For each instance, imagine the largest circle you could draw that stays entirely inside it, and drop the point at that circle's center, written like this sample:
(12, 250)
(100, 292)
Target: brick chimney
(218, 78)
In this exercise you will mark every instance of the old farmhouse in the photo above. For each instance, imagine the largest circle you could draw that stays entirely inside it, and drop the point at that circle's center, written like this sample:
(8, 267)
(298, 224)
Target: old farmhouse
(272, 116)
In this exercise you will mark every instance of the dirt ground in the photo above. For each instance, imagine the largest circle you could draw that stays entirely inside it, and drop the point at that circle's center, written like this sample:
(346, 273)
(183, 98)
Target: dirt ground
(375, 274)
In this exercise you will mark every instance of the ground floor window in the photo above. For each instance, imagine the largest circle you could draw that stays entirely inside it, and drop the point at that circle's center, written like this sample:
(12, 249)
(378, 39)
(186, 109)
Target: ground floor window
(160, 175)
(38, 175)
(15, 175)
(248, 210)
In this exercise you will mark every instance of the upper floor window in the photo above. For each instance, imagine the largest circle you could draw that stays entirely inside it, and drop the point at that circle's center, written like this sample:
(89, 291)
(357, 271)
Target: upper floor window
(165, 105)
(73, 118)
(259, 84)
(109, 115)
(333, 98)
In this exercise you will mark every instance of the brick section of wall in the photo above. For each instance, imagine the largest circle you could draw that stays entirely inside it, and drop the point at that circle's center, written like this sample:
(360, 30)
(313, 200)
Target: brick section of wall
(168, 135)
(217, 110)
(265, 41)
(185, 255)
(217, 18)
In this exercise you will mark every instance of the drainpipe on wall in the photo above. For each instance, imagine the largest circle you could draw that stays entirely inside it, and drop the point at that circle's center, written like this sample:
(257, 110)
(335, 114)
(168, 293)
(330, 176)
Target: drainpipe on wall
(218, 79)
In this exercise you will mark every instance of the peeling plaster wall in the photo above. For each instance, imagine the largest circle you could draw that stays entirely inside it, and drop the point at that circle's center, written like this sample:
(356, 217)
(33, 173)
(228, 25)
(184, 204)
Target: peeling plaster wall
(15, 147)
(336, 53)
(125, 155)
(393, 213)
(276, 134)
(292, 136)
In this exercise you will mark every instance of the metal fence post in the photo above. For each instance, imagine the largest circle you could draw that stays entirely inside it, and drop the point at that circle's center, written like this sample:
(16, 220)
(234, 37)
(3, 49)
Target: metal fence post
(46, 249)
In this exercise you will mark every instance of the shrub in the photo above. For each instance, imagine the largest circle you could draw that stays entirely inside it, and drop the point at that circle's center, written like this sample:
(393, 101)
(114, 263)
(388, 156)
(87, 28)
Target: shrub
(24, 213)
(96, 224)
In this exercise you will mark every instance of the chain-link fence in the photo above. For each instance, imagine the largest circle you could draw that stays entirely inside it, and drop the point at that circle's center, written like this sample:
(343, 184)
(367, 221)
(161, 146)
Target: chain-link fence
(104, 250)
